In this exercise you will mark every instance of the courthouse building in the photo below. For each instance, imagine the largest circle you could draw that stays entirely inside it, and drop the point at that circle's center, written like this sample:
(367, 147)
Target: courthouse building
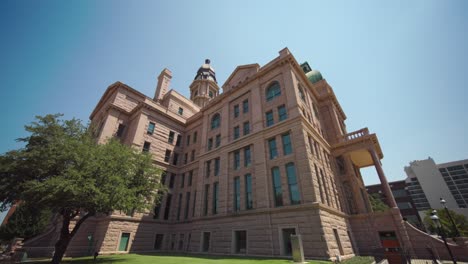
(245, 168)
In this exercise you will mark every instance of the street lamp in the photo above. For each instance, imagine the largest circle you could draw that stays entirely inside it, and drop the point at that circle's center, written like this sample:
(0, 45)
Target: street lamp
(443, 202)
(436, 221)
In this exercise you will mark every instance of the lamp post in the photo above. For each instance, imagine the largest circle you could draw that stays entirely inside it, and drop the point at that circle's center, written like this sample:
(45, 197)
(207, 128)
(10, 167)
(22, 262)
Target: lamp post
(436, 221)
(443, 202)
(90, 243)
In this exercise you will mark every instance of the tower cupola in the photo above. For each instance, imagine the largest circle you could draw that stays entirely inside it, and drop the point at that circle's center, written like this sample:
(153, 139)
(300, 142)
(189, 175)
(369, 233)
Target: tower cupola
(204, 86)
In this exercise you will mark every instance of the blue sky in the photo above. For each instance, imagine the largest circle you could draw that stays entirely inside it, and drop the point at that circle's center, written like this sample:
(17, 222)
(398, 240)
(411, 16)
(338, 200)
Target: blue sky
(397, 67)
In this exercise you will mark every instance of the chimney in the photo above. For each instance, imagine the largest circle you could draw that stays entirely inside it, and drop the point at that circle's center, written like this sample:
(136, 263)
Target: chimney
(164, 80)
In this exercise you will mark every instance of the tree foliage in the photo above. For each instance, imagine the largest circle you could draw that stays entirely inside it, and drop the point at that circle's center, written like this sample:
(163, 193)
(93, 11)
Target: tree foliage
(63, 169)
(460, 221)
(377, 204)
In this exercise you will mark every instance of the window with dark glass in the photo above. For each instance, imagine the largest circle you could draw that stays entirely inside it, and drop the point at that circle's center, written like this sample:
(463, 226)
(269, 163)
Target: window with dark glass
(179, 207)
(195, 137)
(236, 159)
(189, 183)
(292, 184)
(240, 238)
(194, 200)
(246, 128)
(179, 139)
(215, 198)
(187, 204)
(215, 121)
(167, 156)
(275, 172)
(269, 118)
(205, 207)
(192, 156)
(236, 194)
(273, 91)
(188, 140)
(301, 94)
(170, 139)
(216, 166)
(272, 148)
(168, 206)
(210, 94)
(210, 143)
(247, 156)
(207, 168)
(182, 180)
(236, 110)
(151, 127)
(185, 158)
(236, 132)
(146, 146)
(172, 180)
(158, 241)
(217, 140)
(175, 159)
(248, 191)
(245, 106)
(157, 207)
(163, 177)
(181, 111)
(282, 113)
(120, 130)
(287, 146)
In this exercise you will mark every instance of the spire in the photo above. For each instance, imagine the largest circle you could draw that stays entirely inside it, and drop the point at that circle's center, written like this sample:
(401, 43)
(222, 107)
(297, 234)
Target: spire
(206, 72)
(204, 86)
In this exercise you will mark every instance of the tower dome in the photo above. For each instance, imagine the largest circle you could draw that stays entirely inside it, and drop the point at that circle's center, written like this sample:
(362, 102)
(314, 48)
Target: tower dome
(206, 72)
(314, 76)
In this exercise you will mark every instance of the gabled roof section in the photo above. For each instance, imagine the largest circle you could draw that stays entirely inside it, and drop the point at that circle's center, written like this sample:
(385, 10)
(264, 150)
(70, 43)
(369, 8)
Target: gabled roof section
(240, 74)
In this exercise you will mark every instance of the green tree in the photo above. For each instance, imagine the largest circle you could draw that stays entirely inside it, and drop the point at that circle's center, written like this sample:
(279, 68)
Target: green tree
(63, 169)
(460, 221)
(377, 204)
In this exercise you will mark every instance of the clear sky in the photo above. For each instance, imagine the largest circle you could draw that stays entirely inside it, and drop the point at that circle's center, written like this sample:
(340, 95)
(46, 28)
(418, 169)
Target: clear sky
(397, 67)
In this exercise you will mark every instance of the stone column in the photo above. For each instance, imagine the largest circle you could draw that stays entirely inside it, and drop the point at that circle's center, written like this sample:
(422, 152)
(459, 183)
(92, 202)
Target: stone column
(383, 179)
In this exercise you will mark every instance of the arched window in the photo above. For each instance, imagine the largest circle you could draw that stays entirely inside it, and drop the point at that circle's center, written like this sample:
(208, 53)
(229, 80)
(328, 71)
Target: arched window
(210, 94)
(215, 121)
(273, 91)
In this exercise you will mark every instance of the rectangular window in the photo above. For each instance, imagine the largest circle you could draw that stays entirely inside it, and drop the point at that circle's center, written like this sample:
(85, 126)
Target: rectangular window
(236, 110)
(146, 146)
(157, 207)
(236, 194)
(168, 206)
(282, 113)
(170, 139)
(207, 168)
(205, 207)
(246, 128)
(185, 158)
(151, 127)
(176, 158)
(167, 156)
(247, 156)
(179, 140)
(172, 180)
(240, 238)
(188, 140)
(192, 156)
(269, 118)
(190, 178)
(292, 184)
(236, 159)
(287, 147)
(245, 106)
(218, 140)
(181, 241)
(248, 191)
(187, 204)
(158, 241)
(215, 198)
(179, 207)
(195, 137)
(275, 172)
(163, 177)
(181, 111)
(338, 241)
(236, 132)
(311, 145)
(120, 130)
(272, 148)
(182, 180)
(216, 166)
(210, 143)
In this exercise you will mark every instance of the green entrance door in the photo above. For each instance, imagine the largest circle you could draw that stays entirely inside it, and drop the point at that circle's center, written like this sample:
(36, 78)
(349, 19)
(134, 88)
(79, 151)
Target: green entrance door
(124, 241)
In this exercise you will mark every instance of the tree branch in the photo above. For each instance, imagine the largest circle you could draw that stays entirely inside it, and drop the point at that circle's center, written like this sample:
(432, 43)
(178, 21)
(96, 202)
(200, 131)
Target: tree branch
(79, 222)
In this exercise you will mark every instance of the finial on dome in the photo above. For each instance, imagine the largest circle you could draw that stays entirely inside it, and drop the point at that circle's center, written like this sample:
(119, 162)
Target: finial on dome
(207, 61)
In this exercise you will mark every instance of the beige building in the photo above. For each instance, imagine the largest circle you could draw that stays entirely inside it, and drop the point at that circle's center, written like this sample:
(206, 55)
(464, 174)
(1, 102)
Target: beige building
(268, 157)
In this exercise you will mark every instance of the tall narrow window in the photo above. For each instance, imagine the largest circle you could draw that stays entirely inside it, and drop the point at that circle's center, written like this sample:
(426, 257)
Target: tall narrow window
(168, 206)
(273, 91)
(246, 128)
(322, 200)
(236, 159)
(205, 207)
(269, 118)
(194, 201)
(287, 147)
(275, 172)
(311, 145)
(195, 137)
(215, 121)
(325, 186)
(179, 140)
(163, 177)
(187, 204)
(236, 110)
(247, 156)
(248, 191)
(185, 158)
(146, 146)
(170, 139)
(294, 195)
(272, 148)
(158, 241)
(236, 194)
(210, 143)
(236, 132)
(188, 140)
(189, 183)
(215, 198)
(245, 106)
(179, 207)
(167, 156)
(181, 111)
(216, 166)
(192, 156)
(157, 207)
(151, 127)
(208, 168)
(218, 140)
(182, 180)
(301, 94)
(120, 130)
(172, 180)
(240, 238)
(282, 113)
(176, 157)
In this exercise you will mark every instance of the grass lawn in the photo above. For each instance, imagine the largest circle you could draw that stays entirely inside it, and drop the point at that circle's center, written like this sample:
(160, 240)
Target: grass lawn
(177, 259)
